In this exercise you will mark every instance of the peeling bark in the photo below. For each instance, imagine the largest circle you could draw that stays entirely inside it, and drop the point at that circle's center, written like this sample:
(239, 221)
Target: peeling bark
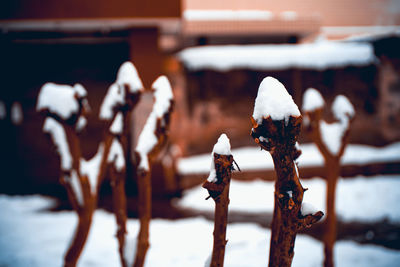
(219, 191)
(279, 138)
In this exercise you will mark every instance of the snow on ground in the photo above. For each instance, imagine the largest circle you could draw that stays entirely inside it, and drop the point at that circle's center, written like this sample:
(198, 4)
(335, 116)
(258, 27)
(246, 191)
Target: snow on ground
(252, 158)
(360, 198)
(31, 236)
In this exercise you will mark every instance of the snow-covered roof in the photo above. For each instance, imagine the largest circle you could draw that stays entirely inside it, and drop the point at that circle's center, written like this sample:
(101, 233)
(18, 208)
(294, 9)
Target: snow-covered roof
(227, 14)
(319, 55)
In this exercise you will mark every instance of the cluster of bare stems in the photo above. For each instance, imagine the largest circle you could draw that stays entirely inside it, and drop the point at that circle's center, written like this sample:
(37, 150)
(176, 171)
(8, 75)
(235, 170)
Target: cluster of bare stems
(332, 172)
(86, 208)
(279, 138)
(219, 191)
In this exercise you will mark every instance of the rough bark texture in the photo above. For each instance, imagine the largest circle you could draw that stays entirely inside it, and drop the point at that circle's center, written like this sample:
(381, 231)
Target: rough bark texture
(219, 191)
(279, 138)
(332, 170)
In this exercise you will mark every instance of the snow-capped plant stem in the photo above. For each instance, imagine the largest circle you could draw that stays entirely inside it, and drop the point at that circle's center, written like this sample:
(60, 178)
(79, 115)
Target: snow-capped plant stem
(287, 218)
(219, 191)
(84, 208)
(150, 143)
(332, 172)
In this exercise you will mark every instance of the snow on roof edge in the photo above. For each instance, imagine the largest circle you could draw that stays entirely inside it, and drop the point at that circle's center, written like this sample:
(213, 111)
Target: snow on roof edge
(319, 55)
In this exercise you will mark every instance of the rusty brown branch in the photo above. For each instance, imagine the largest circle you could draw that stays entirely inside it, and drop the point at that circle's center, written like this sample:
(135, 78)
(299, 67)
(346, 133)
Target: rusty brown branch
(279, 139)
(332, 170)
(219, 191)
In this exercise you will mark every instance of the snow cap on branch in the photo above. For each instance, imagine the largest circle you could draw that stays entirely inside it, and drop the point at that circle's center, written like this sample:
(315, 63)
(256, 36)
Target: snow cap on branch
(273, 100)
(312, 100)
(307, 208)
(127, 74)
(118, 124)
(115, 96)
(116, 155)
(222, 147)
(342, 108)
(60, 99)
(81, 124)
(91, 168)
(163, 95)
(147, 139)
(57, 133)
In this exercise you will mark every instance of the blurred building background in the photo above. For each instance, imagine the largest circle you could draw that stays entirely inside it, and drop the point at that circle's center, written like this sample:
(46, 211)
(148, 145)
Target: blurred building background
(85, 42)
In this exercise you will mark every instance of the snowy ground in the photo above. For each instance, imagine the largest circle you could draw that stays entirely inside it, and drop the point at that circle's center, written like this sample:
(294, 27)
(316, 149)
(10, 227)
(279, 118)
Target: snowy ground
(32, 236)
(361, 199)
(252, 158)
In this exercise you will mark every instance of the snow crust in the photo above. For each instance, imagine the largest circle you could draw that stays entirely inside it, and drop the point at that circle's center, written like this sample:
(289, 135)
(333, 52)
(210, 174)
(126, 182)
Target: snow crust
(273, 100)
(312, 100)
(116, 155)
(17, 115)
(3, 111)
(118, 124)
(127, 74)
(226, 14)
(222, 147)
(60, 99)
(319, 56)
(147, 139)
(57, 133)
(307, 208)
(43, 244)
(91, 168)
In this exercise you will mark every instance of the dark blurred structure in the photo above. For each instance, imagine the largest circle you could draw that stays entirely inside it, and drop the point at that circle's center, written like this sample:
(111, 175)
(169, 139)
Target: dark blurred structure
(69, 42)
